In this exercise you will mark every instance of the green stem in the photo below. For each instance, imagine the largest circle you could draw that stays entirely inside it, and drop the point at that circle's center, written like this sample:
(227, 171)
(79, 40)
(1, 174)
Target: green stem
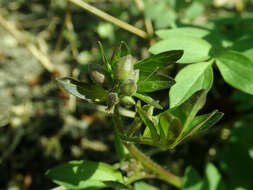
(150, 164)
(146, 161)
(135, 178)
(134, 126)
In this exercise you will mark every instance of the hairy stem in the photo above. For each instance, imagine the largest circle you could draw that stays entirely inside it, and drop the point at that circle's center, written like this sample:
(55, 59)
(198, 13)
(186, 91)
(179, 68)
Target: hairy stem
(110, 18)
(160, 172)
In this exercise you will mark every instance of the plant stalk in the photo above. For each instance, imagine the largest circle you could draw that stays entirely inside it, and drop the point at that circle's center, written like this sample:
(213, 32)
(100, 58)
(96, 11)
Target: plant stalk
(110, 18)
(146, 161)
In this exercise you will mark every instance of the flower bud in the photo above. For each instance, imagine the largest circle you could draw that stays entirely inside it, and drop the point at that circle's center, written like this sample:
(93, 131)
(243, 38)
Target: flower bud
(128, 87)
(112, 100)
(124, 68)
(97, 74)
(127, 101)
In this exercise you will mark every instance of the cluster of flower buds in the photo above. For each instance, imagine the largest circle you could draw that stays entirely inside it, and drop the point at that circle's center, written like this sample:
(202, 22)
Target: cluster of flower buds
(121, 82)
(126, 77)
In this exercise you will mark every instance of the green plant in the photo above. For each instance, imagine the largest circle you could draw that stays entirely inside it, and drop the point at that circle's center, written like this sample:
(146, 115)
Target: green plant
(202, 49)
(122, 82)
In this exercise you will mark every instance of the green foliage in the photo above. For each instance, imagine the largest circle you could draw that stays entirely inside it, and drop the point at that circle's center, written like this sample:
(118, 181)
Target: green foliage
(189, 80)
(84, 174)
(211, 181)
(200, 45)
(149, 78)
(172, 126)
(144, 186)
(212, 41)
(195, 49)
(236, 70)
(124, 78)
(236, 159)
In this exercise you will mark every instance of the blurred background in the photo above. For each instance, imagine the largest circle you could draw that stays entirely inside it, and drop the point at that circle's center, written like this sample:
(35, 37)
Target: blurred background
(42, 126)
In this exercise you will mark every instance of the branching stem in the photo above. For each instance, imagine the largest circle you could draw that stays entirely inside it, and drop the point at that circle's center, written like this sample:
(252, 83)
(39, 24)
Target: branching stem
(160, 172)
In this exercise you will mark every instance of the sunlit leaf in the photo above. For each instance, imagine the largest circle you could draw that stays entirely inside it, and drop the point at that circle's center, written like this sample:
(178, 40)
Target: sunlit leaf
(195, 49)
(190, 79)
(237, 70)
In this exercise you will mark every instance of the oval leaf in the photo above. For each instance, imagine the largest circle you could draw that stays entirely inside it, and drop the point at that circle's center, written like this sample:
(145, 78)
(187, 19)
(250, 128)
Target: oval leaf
(83, 90)
(237, 70)
(84, 174)
(189, 80)
(185, 31)
(195, 49)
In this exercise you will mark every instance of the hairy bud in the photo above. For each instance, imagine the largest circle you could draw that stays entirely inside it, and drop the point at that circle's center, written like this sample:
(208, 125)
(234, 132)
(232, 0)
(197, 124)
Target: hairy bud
(128, 87)
(124, 68)
(97, 74)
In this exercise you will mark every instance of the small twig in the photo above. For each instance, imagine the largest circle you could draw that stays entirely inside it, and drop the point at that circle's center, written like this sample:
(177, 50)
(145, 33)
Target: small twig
(110, 18)
(20, 37)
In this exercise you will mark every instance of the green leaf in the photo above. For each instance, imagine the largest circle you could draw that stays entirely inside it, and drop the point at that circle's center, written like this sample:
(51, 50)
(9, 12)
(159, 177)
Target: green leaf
(148, 100)
(82, 90)
(212, 178)
(184, 31)
(192, 180)
(160, 61)
(237, 70)
(195, 49)
(200, 123)
(147, 122)
(189, 80)
(120, 51)
(105, 60)
(154, 83)
(83, 174)
(170, 126)
(144, 186)
(194, 10)
(187, 111)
